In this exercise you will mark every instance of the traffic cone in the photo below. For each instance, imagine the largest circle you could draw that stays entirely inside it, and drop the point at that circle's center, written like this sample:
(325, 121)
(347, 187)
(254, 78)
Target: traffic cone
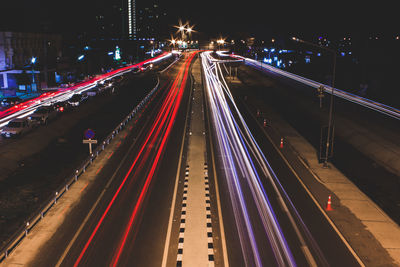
(265, 122)
(281, 145)
(328, 205)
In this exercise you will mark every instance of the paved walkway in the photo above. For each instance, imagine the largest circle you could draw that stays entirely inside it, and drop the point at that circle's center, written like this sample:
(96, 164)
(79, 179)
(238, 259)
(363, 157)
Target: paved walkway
(376, 221)
(31, 246)
(370, 232)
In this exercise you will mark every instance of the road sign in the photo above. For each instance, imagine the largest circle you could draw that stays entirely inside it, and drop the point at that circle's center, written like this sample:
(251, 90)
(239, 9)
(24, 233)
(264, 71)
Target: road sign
(89, 134)
(90, 142)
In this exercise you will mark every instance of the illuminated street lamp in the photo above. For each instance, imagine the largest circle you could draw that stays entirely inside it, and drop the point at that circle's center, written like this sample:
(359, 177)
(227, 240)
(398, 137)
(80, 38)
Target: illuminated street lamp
(33, 61)
(220, 42)
(189, 30)
(184, 28)
(181, 28)
(173, 42)
(331, 126)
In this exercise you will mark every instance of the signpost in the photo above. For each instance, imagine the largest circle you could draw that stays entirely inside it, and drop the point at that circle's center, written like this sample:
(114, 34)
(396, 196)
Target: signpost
(89, 134)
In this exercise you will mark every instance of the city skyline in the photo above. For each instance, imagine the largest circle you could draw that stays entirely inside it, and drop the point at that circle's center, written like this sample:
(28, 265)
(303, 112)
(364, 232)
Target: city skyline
(212, 18)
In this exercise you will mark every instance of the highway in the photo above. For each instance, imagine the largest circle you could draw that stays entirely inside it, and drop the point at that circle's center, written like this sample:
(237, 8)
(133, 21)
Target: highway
(366, 141)
(126, 222)
(271, 228)
(267, 216)
(28, 107)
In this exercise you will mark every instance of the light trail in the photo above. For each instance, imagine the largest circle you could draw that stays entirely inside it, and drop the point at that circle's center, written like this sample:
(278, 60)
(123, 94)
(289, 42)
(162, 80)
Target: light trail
(294, 217)
(24, 109)
(238, 166)
(161, 127)
(368, 103)
(238, 149)
(160, 150)
(99, 223)
(123, 181)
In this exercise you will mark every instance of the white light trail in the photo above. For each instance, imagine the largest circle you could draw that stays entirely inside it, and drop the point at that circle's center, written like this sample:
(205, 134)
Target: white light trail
(368, 103)
(24, 109)
(239, 168)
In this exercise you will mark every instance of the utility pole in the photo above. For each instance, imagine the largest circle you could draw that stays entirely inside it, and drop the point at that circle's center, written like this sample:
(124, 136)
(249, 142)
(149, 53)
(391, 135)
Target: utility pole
(331, 125)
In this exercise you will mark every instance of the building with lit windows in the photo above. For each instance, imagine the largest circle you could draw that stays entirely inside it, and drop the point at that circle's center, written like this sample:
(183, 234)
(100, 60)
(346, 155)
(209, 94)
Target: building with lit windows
(131, 14)
(30, 54)
(132, 20)
(150, 21)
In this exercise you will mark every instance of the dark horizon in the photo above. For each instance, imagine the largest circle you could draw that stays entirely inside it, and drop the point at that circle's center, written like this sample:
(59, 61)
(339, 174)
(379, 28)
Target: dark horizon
(212, 19)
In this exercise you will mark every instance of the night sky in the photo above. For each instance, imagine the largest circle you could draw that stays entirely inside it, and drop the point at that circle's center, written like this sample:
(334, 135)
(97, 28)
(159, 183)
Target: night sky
(261, 18)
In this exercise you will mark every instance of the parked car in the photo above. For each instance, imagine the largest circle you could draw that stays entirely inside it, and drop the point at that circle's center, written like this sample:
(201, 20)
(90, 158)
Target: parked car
(17, 127)
(77, 99)
(62, 106)
(10, 101)
(44, 114)
(92, 92)
(103, 86)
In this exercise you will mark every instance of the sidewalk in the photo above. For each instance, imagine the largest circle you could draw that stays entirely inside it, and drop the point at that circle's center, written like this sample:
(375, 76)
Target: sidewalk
(374, 237)
(347, 195)
(27, 252)
(374, 139)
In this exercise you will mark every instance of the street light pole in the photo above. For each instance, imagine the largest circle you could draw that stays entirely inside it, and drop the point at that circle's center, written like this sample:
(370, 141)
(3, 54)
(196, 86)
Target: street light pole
(331, 125)
(33, 61)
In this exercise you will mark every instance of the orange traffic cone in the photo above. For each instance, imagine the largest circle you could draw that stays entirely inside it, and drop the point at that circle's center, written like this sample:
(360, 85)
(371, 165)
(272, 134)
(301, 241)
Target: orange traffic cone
(281, 145)
(328, 205)
(265, 122)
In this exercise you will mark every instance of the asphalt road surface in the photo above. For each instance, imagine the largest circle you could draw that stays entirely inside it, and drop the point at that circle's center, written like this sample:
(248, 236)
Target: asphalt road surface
(122, 219)
(127, 225)
(45, 157)
(289, 229)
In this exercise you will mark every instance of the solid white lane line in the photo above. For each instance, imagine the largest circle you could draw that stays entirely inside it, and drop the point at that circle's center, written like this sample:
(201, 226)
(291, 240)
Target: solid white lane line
(220, 219)
(351, 250)
(171, 214)
(70, 244)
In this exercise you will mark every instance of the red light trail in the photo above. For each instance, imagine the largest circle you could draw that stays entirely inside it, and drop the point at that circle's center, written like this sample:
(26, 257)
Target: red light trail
(167, 113)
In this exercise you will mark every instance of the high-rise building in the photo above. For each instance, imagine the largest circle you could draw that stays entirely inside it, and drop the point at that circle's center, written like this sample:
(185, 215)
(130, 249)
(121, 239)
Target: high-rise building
(151, 20)
(131, 19)
(131, 14)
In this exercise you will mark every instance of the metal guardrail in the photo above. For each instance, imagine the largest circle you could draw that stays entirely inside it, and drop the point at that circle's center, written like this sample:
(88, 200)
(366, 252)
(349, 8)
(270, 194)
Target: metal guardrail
(24, 230)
